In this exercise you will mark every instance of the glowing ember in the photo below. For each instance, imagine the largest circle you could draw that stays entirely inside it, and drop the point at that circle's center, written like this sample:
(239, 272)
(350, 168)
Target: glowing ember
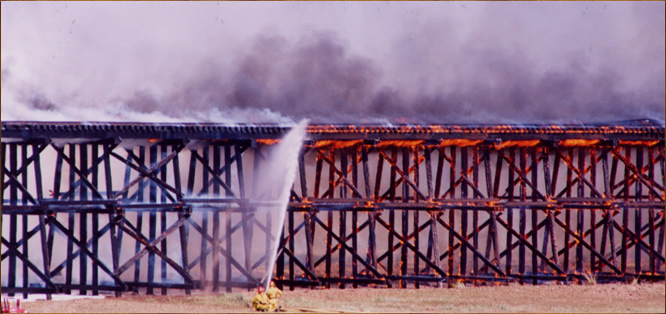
(398, 143)
(336, 144)
(578, 143)
(268, 141)
(526, 143)
(459, 142)
(639, 143)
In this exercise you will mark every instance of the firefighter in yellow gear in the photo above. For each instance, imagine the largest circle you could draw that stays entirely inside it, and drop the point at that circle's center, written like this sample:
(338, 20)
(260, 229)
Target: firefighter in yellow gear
(273, 293)
(260, 301)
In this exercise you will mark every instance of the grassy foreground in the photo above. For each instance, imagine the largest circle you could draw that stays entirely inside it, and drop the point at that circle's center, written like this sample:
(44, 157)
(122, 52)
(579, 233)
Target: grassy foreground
(606, 298)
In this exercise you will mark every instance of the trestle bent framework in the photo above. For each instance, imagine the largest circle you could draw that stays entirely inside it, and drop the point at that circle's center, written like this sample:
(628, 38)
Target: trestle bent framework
(122, 207)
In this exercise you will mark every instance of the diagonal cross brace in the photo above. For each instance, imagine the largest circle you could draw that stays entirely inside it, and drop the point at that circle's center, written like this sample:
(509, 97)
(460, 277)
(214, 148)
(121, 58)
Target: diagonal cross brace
(299, 263)
(18, 185)
(222, 251)
(149, 173)
(471, 247)
(410, 246)
(521, 175)
(588, 246)
(347, 238)
(346, 247)
(82, 176)
(214, 176)
(152, 247)
(402, 174)
(29, 160)
(223, 169)
(581, 176)
(23, 258)
(85, 250)
(341, 176)
(637, 241)
(640, 177)
(530, 246)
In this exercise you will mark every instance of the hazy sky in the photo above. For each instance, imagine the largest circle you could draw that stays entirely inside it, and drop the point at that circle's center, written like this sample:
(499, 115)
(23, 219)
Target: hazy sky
(333, 61)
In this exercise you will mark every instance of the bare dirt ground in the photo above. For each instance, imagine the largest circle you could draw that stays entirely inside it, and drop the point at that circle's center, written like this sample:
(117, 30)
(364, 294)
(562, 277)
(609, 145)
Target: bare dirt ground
(599, 298)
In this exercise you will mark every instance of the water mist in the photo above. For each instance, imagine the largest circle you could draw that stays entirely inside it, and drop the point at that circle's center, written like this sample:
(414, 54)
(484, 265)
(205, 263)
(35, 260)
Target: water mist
(280, 171)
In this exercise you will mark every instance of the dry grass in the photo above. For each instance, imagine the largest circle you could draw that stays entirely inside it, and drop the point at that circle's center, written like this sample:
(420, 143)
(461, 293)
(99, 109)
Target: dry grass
(601, 298)
(590, 279)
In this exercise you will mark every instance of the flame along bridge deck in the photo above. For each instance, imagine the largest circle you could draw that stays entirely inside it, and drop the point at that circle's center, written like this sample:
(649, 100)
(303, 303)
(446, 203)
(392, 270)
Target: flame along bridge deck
(93, 207)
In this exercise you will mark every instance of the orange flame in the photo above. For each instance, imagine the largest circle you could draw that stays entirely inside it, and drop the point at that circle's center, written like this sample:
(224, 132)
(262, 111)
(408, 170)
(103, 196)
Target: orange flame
(459, 142)
(336, 144)
(399, 143)
(639, 143)
(153, 140)
(525, 143)
(578, 143)
(268, 141)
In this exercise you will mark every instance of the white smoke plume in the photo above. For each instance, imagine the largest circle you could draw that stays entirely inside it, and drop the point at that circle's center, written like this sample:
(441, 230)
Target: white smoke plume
(333, 61)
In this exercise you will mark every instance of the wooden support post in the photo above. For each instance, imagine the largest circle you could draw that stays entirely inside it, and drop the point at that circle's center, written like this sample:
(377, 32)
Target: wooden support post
(546, 176)
(613, 174)
(611, 235)
(416, 214)
(95, 220)
(581, 217)
(163, 218)
(567, 214)
(24, 218)
(523, 215)
(625, 215)
(475, 214)
(535, 240)
(152, 221)
(216, 220)
(354, 159)
(593, 213)
(269, 233)
(637, 211)
(42, 217)
(139, 218)
(216, 245)
(498, 174)
(292, 247)
(247, 219)
(307, 217)
(83, 217)
(438, 175)
(392, 182)
(228, 244)
(509, 210)
(228, 216)
(452, 180)
(342, 224)
(371, 255)
(329, 219)
(183, 230)
(405, 218)
(651, 196)
(463, 219)
(204, 222)
(71, 217)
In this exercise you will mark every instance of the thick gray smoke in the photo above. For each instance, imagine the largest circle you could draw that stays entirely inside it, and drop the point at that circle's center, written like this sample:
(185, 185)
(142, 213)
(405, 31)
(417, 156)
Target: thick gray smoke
(333, 62)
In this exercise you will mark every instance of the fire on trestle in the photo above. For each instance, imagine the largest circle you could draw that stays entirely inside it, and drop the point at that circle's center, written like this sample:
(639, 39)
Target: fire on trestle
(154, 207)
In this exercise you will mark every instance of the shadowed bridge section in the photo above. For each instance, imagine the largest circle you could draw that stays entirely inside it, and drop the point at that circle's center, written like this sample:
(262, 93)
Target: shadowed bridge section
(140, 207)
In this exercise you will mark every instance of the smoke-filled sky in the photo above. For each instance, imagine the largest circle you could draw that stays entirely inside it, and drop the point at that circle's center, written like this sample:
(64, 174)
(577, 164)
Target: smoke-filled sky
(405, 62)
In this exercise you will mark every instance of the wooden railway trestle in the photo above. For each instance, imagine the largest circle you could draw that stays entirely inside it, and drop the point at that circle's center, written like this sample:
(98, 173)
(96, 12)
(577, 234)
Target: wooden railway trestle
(395, 206)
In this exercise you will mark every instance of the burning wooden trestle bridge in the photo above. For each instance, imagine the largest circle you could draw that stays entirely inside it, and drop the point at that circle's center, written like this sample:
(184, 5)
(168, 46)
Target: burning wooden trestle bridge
(397, 206)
